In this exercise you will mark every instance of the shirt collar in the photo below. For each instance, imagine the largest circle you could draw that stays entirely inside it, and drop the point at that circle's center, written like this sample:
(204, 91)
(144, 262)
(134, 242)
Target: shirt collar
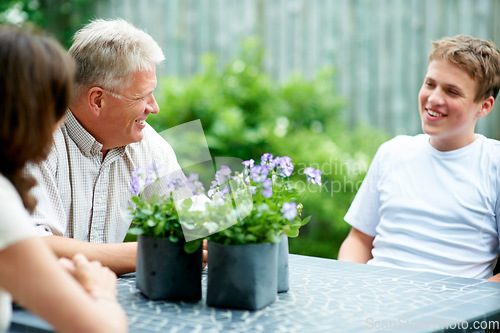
(84, 140)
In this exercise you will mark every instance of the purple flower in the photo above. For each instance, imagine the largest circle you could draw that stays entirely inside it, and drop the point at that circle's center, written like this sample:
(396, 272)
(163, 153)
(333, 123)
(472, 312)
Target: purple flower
(194, 184)
(289, 210)
(259, 173)
(313, 175)
(267, 192)
(175, 181)
(218, 199)
(222, 175)
(249, 163)
(225, 190)
(253, 190)
(212, 189)
(285, 166)
(193, 177)
(141, 179)
(137, 183)
(152, 174)
(267, 159)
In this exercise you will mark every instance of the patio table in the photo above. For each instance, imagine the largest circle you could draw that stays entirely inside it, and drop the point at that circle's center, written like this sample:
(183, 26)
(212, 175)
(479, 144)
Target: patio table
(325, 296)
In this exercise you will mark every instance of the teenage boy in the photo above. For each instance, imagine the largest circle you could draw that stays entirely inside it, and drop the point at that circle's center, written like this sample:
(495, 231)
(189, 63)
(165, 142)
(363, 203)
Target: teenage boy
(431, 202)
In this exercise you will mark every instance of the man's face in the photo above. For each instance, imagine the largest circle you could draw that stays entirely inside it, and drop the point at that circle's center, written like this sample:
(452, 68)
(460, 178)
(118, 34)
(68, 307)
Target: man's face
(446, 104)
(126, 111)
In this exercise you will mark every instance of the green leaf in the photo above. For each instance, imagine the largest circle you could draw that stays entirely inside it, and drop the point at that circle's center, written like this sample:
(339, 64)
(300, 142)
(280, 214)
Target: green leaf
(135, 231)
(192, 246)
(306, 220)
(293, 232)
(146, 212)
(250, 239)
(186, 204)
(273, 237)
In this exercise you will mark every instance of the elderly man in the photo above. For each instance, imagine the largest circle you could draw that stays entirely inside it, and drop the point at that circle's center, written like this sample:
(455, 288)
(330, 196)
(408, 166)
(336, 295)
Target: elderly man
(82, 190)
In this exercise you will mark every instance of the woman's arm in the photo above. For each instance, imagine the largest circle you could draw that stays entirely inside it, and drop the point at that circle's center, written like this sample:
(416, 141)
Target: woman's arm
(36, 280)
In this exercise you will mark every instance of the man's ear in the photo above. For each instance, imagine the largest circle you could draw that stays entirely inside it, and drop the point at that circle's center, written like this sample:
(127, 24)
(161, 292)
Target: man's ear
(486, 107)
(95, 99)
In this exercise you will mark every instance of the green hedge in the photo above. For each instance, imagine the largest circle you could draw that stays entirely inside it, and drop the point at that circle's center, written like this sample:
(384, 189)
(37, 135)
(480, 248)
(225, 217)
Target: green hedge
(245, 113)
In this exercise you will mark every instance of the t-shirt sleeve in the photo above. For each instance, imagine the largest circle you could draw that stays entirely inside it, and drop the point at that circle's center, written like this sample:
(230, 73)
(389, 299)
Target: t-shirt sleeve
(363, 214)
(15, 225)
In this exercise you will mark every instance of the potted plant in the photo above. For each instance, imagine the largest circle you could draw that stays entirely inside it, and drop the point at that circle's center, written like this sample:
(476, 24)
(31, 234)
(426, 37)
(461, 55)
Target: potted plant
(243, 258)
(168, 266)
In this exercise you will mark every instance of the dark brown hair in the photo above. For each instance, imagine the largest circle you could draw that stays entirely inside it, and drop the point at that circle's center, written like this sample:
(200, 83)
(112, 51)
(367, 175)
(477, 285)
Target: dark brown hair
(478, 58)
(36, 80)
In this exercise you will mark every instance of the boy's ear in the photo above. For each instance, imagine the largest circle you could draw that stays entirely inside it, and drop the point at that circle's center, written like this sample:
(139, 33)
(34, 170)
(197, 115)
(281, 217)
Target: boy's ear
(486, 107)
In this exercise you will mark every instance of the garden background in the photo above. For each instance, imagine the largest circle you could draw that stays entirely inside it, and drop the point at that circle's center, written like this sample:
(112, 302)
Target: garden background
(322, 81)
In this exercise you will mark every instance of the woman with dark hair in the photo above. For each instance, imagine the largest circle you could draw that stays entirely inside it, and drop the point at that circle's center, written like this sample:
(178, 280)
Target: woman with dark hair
(36, 77)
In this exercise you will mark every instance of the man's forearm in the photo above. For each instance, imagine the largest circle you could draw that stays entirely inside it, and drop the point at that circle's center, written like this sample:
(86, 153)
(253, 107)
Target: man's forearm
(119, 257)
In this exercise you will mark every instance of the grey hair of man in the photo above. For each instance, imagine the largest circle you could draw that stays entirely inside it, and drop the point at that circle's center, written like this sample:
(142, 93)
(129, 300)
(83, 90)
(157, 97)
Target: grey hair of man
(108, 52)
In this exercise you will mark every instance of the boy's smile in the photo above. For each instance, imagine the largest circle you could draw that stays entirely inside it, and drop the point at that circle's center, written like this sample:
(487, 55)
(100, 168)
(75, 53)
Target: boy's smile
(447, 107)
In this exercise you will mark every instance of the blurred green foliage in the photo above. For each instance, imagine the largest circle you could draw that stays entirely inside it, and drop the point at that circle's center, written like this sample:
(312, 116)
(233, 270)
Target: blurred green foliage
(245, 113)
(60, 18)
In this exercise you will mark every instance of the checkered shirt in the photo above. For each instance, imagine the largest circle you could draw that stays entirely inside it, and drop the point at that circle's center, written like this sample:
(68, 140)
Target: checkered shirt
(83, 196)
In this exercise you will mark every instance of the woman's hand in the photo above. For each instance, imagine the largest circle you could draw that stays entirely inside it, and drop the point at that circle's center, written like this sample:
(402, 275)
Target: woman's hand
(97, 280)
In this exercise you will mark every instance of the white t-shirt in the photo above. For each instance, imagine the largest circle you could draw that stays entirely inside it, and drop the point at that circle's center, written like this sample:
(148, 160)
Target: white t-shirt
(15, 226)
(430, 210)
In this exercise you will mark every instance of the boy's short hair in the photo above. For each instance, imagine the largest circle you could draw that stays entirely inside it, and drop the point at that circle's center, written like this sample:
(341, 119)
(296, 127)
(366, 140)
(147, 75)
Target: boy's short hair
(478, 58)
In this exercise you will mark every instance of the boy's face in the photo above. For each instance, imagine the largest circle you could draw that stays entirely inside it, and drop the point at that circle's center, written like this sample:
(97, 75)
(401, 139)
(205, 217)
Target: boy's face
(447, 108)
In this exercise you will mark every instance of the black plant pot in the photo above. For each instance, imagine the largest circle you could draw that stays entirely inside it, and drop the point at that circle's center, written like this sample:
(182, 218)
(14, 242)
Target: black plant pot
(283, 284)
(165, 271)
(242, 276)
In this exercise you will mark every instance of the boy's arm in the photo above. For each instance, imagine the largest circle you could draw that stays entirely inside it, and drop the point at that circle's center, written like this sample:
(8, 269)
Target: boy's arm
(495, 278)
(357, 247)
(119, 257)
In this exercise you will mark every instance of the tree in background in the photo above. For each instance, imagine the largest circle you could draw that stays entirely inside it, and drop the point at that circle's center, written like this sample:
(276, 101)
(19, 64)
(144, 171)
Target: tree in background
(61, 18)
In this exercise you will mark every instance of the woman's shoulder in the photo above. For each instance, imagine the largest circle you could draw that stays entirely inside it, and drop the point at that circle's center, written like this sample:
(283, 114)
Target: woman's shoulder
(14, 221)
(7, 189)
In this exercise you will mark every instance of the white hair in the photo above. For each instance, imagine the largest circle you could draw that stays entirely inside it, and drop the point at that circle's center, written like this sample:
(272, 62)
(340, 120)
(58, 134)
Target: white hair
(107, 52)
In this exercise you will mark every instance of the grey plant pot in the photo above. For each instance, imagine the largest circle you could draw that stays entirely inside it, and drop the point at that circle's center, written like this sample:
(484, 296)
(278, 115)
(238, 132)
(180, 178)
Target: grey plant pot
(165, 271)
(242, 276)
(283, 284)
